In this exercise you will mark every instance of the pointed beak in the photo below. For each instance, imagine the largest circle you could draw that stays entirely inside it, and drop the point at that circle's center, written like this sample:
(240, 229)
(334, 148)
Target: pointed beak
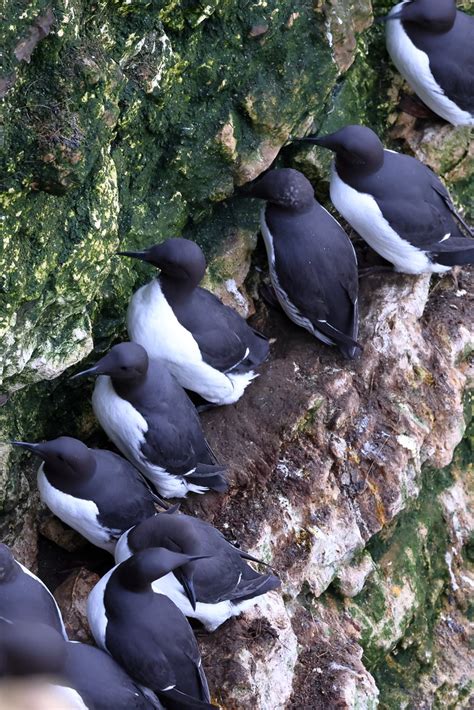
(188, 585)
(85, 373)
(34, 448)
(142, 255)
(307, 139)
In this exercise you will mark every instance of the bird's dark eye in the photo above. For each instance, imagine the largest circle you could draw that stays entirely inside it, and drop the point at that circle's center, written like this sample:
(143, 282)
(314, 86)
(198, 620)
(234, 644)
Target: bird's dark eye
(123, 367)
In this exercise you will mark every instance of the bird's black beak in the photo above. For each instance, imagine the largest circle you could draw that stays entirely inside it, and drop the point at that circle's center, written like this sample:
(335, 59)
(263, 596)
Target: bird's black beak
(34, 448)
(85, 373)
(188, 585)
(142, 255)
(323, 141)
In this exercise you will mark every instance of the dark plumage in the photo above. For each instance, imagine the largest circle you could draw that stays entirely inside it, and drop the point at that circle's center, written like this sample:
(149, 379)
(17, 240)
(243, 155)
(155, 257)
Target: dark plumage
(150, 418)
(28, 650)
(209, 347)
(212, 589)
(312, 263)
(109, 494)
(431, 43)
(146, 633)
(397, 204)
(24, 597)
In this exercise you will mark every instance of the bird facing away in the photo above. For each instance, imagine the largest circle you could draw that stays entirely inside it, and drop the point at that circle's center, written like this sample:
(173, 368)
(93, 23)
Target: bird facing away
(207, 346)
(96, 492)
(146, 633)
(24, 597)
(81, 675)
(313, 266)
(149, 417)
(212, 589)
(397, 204)
(431, 44)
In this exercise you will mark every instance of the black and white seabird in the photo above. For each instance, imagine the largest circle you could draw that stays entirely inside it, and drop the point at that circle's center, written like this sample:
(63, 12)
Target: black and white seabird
(207, 346)
(397, 204)
(212, 589)
(146, 633)
(24, 597)
(96, 492)
(150, 418)
(432, 45)
(81, 676)
(313, 266)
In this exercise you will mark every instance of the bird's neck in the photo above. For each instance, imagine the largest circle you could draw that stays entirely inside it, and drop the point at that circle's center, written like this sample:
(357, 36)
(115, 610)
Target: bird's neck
(176, 290)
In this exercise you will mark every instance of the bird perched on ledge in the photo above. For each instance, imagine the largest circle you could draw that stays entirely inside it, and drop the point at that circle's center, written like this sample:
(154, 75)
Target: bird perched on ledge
(150, 418)
(207, 346)
(313, 266)
(432, 45)
(96, 492)
(397, 204)
(212, 589)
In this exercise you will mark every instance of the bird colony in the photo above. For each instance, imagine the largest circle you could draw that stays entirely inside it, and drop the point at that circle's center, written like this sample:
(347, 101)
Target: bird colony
(189, 352)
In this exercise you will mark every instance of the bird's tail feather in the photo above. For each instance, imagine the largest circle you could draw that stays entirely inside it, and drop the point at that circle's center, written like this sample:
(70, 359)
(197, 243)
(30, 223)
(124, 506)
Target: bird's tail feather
(176, 700)
(255, 587)
(209, 475)
(456, 253)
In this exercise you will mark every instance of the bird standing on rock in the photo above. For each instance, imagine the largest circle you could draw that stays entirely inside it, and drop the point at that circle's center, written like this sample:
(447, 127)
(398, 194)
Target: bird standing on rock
(432, 45)
(24, 597)
(313, 266)
(146, 633)
(207, 346)
(211, 589)
(150, 418)
(96, 492)
(397, 204)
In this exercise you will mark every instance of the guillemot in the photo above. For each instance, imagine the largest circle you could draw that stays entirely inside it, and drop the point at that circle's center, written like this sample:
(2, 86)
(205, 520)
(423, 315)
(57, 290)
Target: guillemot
(24, 597)
(313, 266)
(149, 417)
(207, 346)
(397, 204)
(431, 44)
(146, 633)
(212, 589)
(96, 492)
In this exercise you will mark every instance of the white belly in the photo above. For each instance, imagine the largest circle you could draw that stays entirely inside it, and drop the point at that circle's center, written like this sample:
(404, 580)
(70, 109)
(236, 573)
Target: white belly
(126, 427)
(414, 66)
(80, 514)
(68, 698)
(364, 215)
(152, 323)
(211, 615)
(96, 610)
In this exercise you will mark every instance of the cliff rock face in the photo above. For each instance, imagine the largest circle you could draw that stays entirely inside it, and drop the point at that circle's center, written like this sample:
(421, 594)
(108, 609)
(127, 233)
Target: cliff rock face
(128, 122)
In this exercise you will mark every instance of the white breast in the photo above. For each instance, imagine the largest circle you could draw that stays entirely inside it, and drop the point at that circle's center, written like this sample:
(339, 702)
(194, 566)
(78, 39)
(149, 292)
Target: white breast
(414, 66)
(80, 514)
(210, 615)
(123, 424)
(96, 610)
(152, 323)
(30, 574)
(68, 698)
(364, 215)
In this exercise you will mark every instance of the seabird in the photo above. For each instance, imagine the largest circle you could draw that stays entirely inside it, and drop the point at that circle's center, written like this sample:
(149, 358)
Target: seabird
(207, 346)
(432, 45)
(96, 492)
(23, 596)
(313, 266)
(80, 675)
(146, 633)
(150, 418)
(397, 204)
(212, 589)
